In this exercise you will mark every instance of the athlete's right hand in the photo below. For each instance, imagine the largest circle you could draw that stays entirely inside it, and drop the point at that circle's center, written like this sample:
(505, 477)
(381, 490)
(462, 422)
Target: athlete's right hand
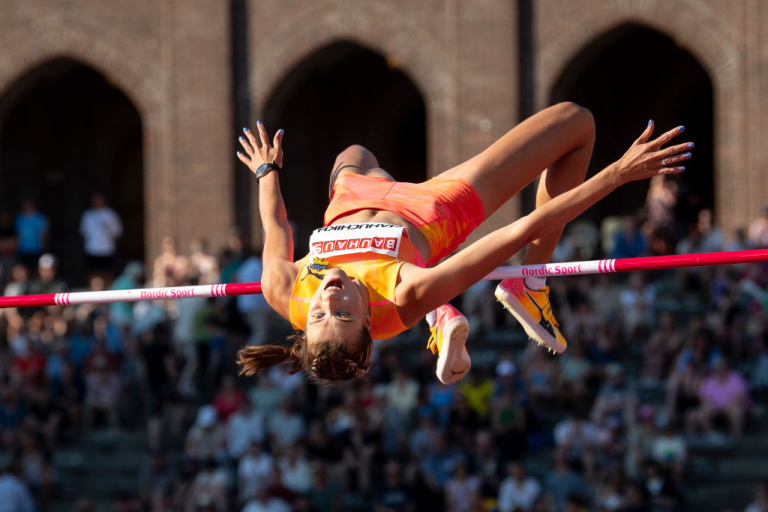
(646, 159)
(258, 148)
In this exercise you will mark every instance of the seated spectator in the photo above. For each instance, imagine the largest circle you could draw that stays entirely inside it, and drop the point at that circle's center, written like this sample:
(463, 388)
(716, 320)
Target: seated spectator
(486, 462)
(664, 342)
(616, 401)
(202, 263)
(664, 494)
(229, 398)
(438, 463)
(253, 470)
(209, 487)
(635, 497)
(478, 390)
(102, 388)
(45, 416)
(47, 281)
(723, 393)
(155, 481)
(285, 425)
(265, 397)
(36, 466)
(640, 440)
(758, 230)
(13, 490)
(206, 438)
(477, 304)
(712, 238)
(169, 267)
(182, 484)
(608, 494)
(759, 375)
(19, 281)
(325, 494)
(541, 376)
(462, 489)
(402, 393)
(562, 481)
(578, 438)
(605, 297)
(576, 371)
(760, 503)
(12, 413)
(509, 423)
(637, 302)
(244, 427)
(518, 492)
(630, 242)
(462, 421)
(295, 470)
(423, 437)
(670, 451)
(263, 502)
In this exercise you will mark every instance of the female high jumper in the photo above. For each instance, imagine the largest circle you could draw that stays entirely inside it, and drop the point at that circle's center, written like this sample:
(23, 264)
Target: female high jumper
(380, 262)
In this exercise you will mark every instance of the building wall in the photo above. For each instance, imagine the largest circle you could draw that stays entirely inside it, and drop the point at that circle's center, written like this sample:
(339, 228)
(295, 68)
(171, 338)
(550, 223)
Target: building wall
(172, 59)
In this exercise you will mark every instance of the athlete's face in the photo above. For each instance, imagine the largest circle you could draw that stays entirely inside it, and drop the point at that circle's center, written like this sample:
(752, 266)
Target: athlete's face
(338, 309)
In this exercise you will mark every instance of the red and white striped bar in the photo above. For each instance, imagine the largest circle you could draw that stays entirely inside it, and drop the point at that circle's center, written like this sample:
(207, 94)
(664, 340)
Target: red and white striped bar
(546, 270)
(175, 292)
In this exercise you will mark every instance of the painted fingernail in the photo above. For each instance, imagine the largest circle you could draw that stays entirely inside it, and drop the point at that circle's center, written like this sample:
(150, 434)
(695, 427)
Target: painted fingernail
(239, 153)
(650, 122)
(280, 132)
(245, 128)
(687, 155)
(240, 139)
(258, 122)
(691, 145)
(681, 128)
(681, 168)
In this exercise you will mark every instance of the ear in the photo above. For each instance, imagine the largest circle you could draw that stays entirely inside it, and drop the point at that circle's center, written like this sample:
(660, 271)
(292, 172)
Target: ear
(368, 322)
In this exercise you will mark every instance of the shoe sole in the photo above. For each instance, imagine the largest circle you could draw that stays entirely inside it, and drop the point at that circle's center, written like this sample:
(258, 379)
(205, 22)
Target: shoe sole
(532, 328)
(457, 331)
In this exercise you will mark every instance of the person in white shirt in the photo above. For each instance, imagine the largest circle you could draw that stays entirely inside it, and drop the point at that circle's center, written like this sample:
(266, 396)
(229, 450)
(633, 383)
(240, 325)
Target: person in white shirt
(254, 470)
(245, 426)
(518, 491)
(100, 226)
(262, 502)
(14, 495)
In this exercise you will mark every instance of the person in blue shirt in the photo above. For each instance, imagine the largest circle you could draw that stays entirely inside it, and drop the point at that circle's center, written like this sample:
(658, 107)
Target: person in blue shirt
(31, 232)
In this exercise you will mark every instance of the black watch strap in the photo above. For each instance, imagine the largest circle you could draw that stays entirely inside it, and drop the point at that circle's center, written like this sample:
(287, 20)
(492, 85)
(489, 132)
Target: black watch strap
(265, 169)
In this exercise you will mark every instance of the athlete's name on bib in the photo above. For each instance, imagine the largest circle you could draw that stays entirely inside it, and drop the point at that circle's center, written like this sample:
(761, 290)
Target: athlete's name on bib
(367, 237)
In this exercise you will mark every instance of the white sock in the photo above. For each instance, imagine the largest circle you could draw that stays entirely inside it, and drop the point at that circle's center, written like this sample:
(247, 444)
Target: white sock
(432, 317)
(535, 283)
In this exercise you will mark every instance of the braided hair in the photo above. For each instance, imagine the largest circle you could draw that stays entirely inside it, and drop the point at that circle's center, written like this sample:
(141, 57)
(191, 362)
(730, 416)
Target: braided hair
(325, 362)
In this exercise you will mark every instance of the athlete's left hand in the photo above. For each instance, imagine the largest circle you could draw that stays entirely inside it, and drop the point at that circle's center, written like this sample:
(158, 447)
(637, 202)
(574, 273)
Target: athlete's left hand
(646, 158)
(258, 148)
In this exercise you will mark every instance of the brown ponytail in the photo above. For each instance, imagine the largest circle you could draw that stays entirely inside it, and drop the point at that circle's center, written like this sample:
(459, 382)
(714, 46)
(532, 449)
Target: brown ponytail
(325, 361)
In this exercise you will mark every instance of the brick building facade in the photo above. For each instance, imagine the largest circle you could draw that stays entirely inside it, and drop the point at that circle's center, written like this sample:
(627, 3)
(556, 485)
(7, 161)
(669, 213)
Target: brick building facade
(174, 61)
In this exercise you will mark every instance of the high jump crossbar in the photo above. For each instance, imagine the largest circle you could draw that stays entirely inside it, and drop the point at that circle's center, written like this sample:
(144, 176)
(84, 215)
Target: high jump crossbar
(549, 269)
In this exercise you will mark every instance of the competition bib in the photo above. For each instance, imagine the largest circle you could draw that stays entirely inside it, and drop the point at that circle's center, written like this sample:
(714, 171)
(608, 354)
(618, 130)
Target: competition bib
(362, 237)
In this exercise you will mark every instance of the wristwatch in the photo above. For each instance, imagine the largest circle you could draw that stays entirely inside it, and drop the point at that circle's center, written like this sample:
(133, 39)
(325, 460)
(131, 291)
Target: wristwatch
(265, 169)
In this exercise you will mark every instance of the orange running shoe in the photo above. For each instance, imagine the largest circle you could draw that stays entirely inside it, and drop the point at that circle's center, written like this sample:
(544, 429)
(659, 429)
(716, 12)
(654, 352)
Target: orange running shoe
(532, 309)
(449, 334)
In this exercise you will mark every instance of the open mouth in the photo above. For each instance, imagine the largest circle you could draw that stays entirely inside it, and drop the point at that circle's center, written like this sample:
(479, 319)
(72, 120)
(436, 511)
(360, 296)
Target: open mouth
(334, 284)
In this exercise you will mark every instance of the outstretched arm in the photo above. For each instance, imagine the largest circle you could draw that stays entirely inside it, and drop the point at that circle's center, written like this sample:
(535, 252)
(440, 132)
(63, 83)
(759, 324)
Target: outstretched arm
(279, 269)
(423, 290)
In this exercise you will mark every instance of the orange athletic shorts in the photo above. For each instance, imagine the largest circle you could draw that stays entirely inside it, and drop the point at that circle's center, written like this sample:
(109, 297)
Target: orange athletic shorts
(445, 210)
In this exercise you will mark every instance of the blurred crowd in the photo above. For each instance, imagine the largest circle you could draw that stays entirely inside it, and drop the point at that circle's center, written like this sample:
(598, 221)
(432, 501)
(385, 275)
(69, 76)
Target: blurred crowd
(656, 363)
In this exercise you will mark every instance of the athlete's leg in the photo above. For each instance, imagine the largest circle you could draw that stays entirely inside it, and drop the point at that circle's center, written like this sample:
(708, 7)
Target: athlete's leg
(356, 160)
(555, 143)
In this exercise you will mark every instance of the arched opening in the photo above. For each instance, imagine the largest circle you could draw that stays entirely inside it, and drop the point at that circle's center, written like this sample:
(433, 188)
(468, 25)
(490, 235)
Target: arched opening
(67, 131)
(632, 74)
(341, 95)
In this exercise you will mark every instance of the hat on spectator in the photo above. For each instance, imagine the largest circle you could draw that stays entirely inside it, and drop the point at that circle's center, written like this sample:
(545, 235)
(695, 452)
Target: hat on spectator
(505, 368)
(206, 416)
(47, 260)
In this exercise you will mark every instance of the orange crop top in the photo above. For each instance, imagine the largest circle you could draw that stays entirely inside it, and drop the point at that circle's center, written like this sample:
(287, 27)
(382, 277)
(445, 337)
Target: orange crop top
(378, 271)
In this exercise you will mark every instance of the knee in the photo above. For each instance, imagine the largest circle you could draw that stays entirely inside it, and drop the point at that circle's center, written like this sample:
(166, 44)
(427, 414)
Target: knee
(580, 116)
(358, 155)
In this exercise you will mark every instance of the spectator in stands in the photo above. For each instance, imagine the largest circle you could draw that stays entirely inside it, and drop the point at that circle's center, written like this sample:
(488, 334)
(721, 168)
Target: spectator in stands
(760, 503)
(616, 400)
(253, 470)
(325, 494)
(637, 302)
(486, 462)
(541, 376)
(723, 393)
(661, 202)
(664, 494)
(402, 393)
(121, 313)
(392, 494)
(47, 281)
(245, 427)
(206, 438)
(202, 263)
(102, 388)
(32, 232)
(8, 247)
(228, 399)
(712, 238)
(630, 241)
(670, 451)
(562, 481)
(12, 413)
(184, 332)
(759, 373)
(14, 495)
(664, 342)
(462, 489)
(576, 371)
(169, 267)
(758, 230)
(578, 439)
(295, 470)
(263, 502)
(254, 308)
(518, 491)
(100, 227)
(209, 487)
(155, 481)
(159, 365)
(265, 397)
(285, 426)
(19, 282)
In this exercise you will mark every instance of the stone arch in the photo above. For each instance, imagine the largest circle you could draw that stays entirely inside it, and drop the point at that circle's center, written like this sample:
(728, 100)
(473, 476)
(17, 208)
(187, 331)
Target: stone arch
(131, 67)
(387, 32)
(691, 25)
